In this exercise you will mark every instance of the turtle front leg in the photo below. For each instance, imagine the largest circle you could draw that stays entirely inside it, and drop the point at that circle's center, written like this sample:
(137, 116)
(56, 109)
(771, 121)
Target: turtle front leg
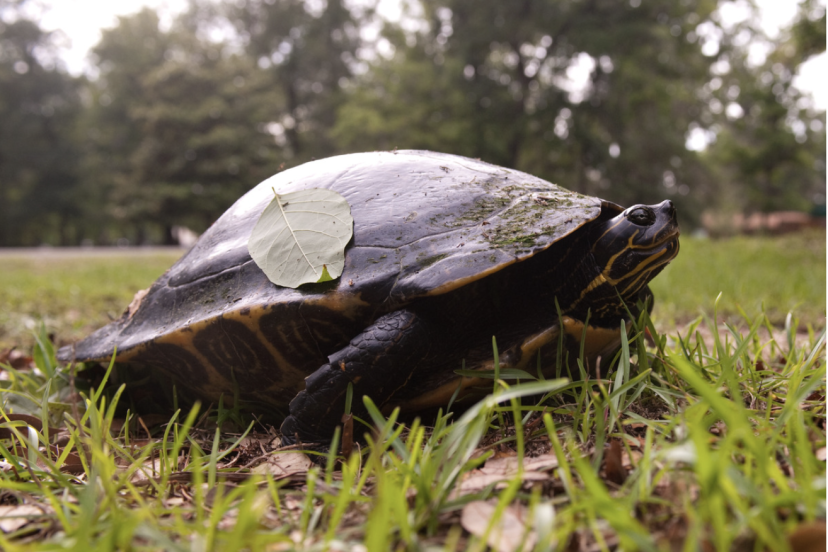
(378, 362)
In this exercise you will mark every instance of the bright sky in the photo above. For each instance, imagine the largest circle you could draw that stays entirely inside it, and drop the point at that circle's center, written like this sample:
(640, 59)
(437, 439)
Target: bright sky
(82, 20)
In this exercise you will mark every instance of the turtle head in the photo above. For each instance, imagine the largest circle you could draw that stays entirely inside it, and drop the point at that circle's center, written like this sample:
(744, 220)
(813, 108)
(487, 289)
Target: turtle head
(630, 247)
(633, 246)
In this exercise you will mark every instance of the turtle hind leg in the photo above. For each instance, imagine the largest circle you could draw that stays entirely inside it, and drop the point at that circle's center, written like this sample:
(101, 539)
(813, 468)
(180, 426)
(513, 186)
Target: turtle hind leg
(378, 362)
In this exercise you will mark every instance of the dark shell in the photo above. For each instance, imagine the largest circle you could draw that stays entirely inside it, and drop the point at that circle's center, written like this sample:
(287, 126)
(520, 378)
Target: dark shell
(424, 224)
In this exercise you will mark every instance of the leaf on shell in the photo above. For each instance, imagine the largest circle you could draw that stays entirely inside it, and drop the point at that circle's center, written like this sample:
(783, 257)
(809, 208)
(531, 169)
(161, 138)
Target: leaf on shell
(300, 237)
(326, 276)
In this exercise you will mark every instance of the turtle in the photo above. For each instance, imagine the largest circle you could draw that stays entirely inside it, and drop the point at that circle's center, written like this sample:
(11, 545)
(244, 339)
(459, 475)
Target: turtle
(447, 253)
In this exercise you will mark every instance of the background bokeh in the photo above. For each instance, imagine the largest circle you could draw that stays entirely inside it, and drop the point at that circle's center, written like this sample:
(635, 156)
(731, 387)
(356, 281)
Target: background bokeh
(175, 118)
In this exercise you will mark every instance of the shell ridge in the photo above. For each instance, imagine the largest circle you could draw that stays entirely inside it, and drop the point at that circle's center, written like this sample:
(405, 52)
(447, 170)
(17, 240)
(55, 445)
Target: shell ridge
(210, 275)
(391, 292)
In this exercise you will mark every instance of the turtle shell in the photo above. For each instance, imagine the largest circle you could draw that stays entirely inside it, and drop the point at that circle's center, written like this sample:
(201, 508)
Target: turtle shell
(424, 224)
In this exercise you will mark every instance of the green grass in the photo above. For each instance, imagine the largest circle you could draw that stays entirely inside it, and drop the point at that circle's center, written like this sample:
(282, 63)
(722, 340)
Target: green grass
(775, 275)
(726, 452)
(72, 295)
(710, 437)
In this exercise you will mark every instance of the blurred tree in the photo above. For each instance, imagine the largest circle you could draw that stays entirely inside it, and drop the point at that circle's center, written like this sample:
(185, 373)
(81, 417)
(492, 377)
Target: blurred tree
(308, 49)
(597, 95)
(39, 103)
(180, 128)
(770, 144)
(122, 58)
(807, 33)
(202, 158)
(409, 102)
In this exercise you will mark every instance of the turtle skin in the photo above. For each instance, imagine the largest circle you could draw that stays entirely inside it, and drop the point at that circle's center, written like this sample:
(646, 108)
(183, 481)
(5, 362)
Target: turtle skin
(448, 252)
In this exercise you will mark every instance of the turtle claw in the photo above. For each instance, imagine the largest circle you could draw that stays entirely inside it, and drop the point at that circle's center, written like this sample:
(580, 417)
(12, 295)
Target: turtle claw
(294, 435)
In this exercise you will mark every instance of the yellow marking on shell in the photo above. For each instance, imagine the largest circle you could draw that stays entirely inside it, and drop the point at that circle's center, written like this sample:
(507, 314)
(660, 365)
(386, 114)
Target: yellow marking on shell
(216, 383)
(481, 274)
(212, 384)
(251, 320)
(347, 304)
(460, 282)
(125, 356)
(182, 338)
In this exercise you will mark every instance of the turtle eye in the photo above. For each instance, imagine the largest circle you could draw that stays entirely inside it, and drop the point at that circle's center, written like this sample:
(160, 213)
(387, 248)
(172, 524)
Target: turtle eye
(641, 216)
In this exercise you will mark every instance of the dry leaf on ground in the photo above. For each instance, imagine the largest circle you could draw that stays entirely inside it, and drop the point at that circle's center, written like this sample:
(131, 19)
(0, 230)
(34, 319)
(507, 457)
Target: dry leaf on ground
(501, 469)
(476, 481)
(508, 533)
(7, 433)
(613, 465)
(285, 463)
(12, 518)
(16, 359)
(543, 462)
(148, 470)
(808, 537)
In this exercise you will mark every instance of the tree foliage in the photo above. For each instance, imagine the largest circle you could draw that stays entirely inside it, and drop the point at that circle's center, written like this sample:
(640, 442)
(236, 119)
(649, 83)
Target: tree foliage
(306, 50)
(39, 105)
(770, 146)
(177, 121)
(495, 80)
(178, 127)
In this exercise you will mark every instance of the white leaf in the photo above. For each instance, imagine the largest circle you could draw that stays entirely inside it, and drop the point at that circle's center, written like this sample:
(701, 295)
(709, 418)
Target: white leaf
(13, 518)
(300, 235)
(503, 469)
(285, 463)
(507, 534)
